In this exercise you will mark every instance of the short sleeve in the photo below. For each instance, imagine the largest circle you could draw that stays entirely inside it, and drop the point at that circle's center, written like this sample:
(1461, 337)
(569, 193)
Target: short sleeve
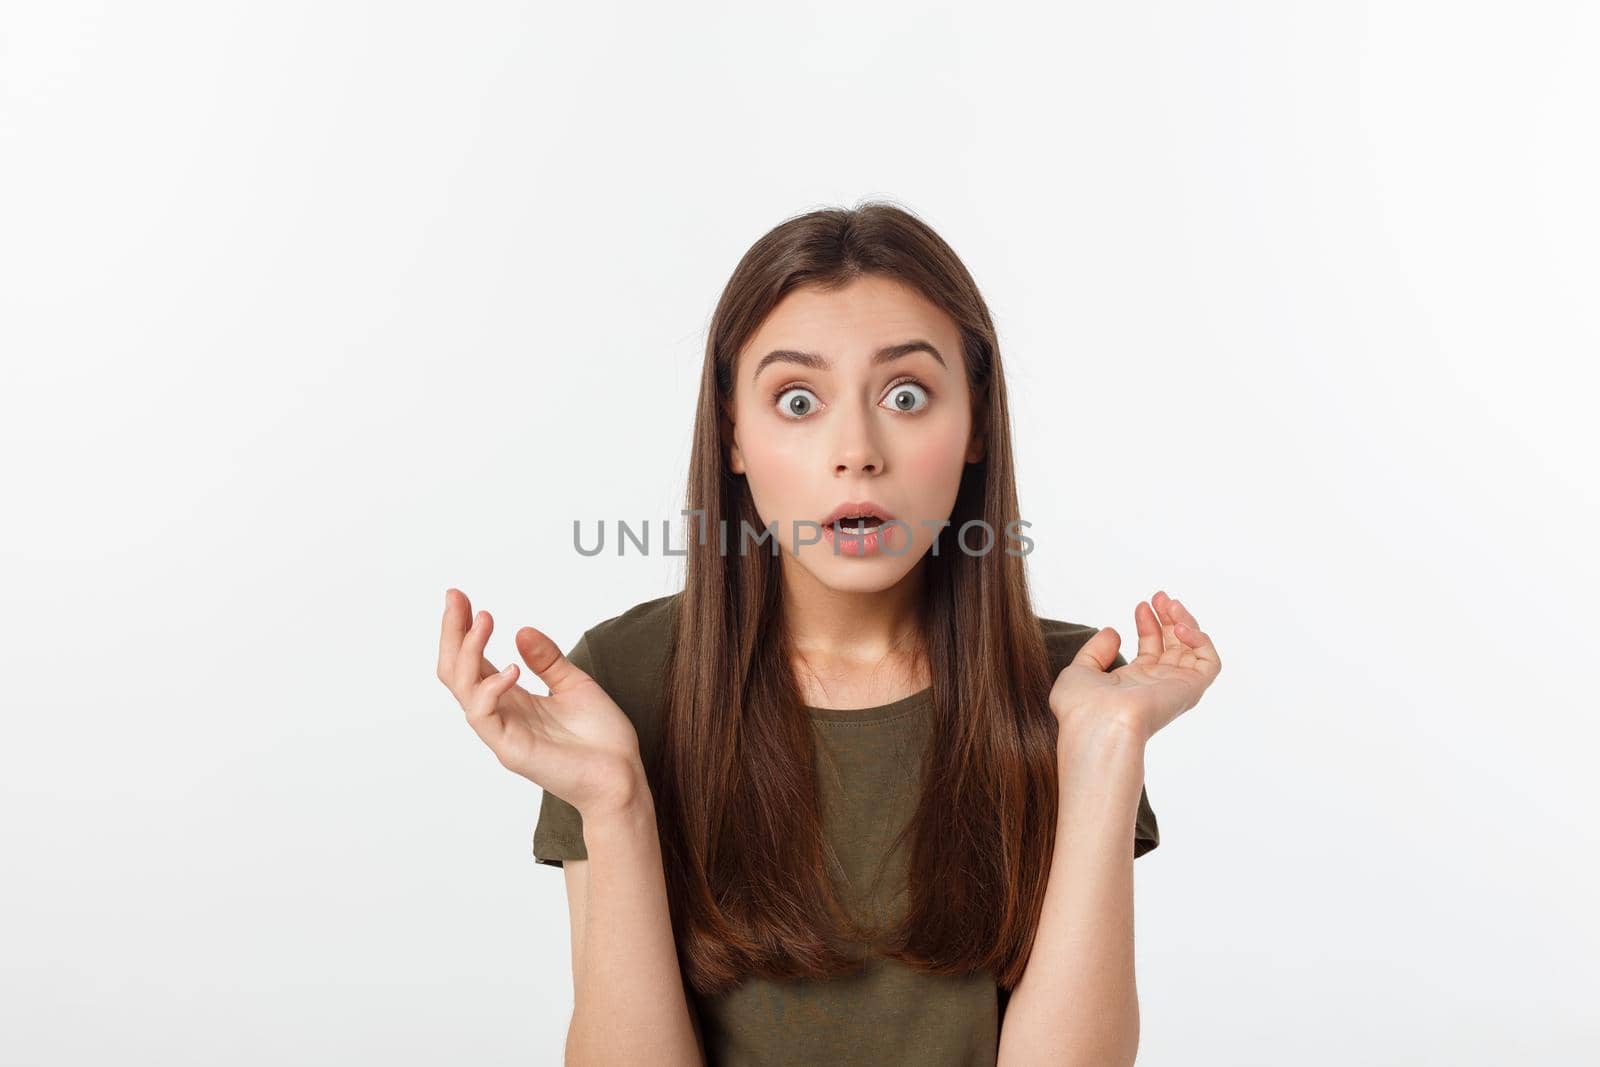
(558, 833)
(1146, 834)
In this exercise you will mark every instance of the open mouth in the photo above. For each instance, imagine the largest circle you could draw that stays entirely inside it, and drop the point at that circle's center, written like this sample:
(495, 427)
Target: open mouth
(858, 523)
(858, 528)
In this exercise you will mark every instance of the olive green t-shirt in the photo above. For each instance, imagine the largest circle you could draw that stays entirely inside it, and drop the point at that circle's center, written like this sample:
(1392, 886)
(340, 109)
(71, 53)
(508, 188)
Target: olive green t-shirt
(869, 763)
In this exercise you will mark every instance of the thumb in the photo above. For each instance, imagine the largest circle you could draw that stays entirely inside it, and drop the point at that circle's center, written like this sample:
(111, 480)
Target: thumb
(545, 658)
(1100, 651)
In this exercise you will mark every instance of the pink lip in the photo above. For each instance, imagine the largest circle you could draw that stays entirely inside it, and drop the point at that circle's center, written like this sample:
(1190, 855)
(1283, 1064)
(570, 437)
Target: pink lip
(854, 544)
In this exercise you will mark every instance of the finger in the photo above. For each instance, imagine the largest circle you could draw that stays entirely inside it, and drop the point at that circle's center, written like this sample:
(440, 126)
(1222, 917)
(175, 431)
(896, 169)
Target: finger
(544, 656)
(1163, 607)
(457, 617)
(1183, 614)
(1188, 629)
(485, 698)
(471, 651)
(1151, 642)
(1100, 651)
(515, 695)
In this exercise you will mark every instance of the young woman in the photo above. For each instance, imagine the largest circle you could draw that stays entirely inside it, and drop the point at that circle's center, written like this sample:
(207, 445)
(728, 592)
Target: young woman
(845, 798)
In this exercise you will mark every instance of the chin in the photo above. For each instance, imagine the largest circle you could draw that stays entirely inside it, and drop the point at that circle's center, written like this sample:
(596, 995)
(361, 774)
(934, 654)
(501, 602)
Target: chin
(852, 575)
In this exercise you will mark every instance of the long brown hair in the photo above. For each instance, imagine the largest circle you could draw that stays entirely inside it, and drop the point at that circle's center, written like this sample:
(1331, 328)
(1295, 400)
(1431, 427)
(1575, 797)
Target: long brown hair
(734, 779)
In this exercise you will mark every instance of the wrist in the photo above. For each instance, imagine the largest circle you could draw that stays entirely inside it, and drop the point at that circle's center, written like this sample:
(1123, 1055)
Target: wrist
(1104, 742)
(626, 801)
(623, 830)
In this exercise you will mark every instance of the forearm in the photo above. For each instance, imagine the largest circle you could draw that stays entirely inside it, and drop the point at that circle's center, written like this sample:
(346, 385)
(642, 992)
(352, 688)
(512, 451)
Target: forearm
(1076, 1002)
(629, 1002)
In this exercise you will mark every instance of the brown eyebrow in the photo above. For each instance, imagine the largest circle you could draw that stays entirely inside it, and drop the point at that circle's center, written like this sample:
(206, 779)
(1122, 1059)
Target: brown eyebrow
(816, 362)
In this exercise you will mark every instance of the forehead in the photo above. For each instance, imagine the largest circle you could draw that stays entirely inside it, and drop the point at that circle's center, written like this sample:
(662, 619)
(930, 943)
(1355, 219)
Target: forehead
(848, 325)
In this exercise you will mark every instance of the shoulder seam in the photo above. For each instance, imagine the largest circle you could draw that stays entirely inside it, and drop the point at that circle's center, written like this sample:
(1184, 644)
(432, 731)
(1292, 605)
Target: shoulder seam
(596, 660)
(1062, 626)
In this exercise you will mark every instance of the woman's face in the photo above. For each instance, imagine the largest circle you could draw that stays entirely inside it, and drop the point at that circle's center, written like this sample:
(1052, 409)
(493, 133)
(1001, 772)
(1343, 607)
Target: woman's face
(854, 395)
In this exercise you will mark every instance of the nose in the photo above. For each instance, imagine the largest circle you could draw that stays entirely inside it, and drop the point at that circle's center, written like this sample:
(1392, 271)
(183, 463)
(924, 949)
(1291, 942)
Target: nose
(856, 448)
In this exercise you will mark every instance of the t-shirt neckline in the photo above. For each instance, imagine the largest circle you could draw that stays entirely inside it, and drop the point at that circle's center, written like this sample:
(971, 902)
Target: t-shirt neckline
(873, 714)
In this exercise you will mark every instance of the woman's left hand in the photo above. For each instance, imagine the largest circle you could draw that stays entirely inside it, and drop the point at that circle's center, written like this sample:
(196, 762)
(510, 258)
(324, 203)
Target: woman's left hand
(1175, 665)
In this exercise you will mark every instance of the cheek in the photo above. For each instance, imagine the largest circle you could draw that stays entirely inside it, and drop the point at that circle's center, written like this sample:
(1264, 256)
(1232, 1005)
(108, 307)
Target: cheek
(936, 464)
(776, 468)
(772, 456)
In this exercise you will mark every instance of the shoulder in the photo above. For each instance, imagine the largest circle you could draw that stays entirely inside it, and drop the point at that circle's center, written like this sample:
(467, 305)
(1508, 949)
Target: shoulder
(1063, 639)
(644, 629)
(627, 655)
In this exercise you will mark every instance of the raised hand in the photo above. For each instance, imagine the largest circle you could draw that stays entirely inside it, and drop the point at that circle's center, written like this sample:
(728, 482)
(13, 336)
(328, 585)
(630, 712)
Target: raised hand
(1175, 665)
(575, 742)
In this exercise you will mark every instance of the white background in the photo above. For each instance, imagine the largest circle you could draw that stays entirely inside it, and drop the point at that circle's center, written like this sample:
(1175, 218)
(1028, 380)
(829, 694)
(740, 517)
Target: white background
(311, 310)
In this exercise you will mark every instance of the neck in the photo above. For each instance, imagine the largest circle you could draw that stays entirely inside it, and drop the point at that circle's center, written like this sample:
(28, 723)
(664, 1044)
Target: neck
(849, 625)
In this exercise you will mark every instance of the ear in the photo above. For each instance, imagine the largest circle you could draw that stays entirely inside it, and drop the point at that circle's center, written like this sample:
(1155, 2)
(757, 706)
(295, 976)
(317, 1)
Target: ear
(730, 440)
(976, 439)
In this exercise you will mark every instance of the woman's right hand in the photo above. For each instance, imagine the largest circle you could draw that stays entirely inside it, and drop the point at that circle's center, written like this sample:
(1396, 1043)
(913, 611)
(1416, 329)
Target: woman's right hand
(575, 742)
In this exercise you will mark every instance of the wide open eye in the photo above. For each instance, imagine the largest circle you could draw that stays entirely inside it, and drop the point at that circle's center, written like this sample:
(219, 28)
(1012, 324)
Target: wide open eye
(908, 397)
(797, 402)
